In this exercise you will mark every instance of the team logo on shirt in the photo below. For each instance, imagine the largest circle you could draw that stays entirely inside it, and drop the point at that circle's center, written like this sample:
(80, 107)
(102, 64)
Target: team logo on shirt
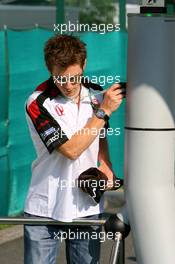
(59, 109)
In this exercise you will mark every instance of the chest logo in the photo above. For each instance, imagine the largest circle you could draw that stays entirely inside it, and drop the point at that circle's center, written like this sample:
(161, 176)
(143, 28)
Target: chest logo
(59, 109)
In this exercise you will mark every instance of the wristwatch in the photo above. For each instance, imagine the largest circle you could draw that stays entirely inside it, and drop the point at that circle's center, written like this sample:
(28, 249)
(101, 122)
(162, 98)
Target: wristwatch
(100, 113)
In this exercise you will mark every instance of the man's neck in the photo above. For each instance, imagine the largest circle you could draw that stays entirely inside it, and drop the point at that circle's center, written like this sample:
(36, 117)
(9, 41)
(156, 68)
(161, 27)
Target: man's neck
(77, 100)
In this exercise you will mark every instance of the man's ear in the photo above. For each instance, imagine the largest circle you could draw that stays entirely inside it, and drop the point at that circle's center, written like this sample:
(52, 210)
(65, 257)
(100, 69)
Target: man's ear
(84, 66)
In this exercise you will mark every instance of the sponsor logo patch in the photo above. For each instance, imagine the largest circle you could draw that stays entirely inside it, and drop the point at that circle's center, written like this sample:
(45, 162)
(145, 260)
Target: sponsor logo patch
(48, 132)
(58, 135)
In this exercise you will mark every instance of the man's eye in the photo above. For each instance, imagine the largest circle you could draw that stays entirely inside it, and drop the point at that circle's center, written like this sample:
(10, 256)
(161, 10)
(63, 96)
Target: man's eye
(76, 79)
(79, 78)
(60, 79)
(63, 79)
(72, 79)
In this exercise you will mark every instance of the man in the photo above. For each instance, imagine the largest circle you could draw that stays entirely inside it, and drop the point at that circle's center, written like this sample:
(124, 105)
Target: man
(61, 120)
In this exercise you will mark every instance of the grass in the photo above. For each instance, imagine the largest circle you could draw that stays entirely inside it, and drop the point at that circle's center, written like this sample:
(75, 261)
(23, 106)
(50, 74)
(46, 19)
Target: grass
(5, 226)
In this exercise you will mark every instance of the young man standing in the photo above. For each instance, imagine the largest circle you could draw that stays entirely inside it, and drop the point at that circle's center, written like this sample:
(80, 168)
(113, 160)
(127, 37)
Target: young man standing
(61, 118)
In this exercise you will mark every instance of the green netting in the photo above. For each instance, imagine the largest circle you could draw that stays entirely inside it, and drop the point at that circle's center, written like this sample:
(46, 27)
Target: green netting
(4, 168)
(3, 92)
(21, 70)
(27, 70)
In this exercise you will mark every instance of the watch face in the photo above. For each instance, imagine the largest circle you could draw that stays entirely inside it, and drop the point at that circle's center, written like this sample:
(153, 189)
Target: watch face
(101, 113)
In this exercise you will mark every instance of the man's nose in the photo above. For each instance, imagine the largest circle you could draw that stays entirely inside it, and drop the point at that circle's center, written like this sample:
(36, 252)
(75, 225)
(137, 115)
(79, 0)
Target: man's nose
(69, 85)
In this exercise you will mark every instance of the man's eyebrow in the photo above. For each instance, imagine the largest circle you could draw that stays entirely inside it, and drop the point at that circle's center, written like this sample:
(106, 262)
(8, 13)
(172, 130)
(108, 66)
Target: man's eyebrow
(58, 75)
(76, 75)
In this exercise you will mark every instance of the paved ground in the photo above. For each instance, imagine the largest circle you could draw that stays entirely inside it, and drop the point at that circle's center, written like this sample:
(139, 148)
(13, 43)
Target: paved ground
(12, 252)
(11, 240)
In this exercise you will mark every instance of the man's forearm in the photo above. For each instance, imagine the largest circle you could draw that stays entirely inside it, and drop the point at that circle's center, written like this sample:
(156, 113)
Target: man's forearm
(103, 155)
(105, 163)
(104, 159)
(82, 139)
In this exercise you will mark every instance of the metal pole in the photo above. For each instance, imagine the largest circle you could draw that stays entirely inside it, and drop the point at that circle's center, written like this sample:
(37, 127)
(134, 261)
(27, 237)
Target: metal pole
(170, 7)
(117, 252)
(122, 14)
(60, 17)
(121, 259)
(49, 221)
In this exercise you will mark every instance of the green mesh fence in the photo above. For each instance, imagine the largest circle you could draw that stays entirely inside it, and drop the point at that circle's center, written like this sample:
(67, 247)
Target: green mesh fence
(22, 68)
(4, 168)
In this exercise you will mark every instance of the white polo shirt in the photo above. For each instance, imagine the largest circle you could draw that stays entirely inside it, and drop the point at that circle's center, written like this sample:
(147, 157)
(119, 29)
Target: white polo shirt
(52, 120)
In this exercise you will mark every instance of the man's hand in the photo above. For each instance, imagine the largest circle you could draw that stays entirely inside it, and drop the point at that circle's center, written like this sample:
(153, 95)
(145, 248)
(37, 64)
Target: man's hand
(112, 99)
(107, 170)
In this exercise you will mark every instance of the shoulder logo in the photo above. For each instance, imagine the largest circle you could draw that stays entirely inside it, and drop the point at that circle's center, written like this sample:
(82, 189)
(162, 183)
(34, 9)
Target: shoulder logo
(59, 109)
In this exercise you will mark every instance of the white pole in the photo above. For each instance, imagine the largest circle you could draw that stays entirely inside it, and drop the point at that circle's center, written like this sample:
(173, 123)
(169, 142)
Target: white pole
(150, 137)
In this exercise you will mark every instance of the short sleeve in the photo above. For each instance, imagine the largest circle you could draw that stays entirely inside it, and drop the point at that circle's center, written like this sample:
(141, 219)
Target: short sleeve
(46, 126)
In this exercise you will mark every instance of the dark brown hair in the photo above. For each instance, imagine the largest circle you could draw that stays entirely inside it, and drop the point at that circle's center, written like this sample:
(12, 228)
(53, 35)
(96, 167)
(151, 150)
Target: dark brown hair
(64, 51)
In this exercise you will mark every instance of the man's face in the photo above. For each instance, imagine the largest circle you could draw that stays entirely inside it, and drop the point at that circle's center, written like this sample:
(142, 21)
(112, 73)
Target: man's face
(68, 81)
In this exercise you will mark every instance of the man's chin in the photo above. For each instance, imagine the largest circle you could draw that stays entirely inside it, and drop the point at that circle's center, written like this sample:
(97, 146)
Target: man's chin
(69, 95)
